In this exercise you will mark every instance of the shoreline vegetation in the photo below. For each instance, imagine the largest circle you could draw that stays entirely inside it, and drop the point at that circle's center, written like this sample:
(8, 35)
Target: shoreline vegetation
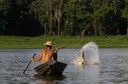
(23, 42)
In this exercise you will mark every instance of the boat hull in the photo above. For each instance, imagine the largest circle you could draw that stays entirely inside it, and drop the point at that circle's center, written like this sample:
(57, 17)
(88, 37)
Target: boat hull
(51, 67)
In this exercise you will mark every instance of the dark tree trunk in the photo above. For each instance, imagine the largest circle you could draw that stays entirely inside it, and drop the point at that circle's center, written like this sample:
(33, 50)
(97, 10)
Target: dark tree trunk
(127, 29)
(51, 24)
(45, 29)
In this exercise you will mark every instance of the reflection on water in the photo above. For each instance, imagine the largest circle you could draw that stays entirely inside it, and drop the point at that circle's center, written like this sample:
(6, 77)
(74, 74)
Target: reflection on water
(50, 77)
(112, 69)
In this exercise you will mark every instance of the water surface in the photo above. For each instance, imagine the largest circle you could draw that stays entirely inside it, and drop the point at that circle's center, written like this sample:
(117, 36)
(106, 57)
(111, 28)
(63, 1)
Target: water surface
(112, 69)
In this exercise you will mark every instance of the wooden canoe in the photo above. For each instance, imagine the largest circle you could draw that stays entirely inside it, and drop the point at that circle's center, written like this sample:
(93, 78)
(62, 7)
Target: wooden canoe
(51, 67)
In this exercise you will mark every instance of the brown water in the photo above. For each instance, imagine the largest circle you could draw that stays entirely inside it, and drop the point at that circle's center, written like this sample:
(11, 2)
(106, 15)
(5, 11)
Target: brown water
(112, 69)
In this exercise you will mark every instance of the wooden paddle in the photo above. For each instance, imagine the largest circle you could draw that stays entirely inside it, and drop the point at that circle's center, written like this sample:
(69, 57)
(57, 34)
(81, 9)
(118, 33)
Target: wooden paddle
(28, 64)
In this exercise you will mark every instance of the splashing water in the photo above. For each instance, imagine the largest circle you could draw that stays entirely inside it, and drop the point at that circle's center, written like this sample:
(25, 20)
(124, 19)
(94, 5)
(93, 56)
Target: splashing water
(89, 54)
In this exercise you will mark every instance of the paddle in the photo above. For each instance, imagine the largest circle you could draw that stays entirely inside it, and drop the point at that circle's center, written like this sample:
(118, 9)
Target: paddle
(28, 64)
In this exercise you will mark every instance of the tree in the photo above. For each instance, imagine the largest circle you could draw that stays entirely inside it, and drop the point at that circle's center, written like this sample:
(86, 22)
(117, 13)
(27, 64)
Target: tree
(4, 7)
(125, 14)
(67, 17)
(44, 21)
(69, 14)
(58, 15)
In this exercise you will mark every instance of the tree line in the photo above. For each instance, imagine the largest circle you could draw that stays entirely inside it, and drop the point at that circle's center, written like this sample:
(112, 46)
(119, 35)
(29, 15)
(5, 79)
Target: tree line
(63, 17)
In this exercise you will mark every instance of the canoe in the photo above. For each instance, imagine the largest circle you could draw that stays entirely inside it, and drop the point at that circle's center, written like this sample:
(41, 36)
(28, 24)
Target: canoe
(51, 67)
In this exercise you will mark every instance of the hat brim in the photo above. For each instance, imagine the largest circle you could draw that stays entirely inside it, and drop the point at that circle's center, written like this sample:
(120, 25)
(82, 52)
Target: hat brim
(49, 44)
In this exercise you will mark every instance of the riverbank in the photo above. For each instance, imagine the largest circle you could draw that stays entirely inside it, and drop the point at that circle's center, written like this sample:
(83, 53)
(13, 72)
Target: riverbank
(21, 42)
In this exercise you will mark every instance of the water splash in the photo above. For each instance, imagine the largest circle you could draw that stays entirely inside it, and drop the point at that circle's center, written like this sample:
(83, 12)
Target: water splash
(89, 54)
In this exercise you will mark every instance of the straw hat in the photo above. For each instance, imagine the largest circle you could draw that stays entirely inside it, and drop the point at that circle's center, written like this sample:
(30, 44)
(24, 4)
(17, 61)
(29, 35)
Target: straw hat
(49, 43)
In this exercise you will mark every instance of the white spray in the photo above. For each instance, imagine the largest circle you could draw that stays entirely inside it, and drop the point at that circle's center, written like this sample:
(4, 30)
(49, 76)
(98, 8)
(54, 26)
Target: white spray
(89, 54)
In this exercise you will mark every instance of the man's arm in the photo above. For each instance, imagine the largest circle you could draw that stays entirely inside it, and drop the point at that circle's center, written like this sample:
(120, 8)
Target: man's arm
(38, 59)
(55, 56)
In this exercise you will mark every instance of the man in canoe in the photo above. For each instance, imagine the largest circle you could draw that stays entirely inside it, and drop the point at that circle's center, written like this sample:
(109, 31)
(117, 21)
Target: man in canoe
(47, 53)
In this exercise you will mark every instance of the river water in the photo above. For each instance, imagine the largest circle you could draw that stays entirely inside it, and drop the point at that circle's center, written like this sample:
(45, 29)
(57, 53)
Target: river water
(112, 69)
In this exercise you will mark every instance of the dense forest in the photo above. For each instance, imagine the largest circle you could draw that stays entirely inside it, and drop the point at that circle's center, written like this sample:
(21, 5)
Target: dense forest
(63, 17)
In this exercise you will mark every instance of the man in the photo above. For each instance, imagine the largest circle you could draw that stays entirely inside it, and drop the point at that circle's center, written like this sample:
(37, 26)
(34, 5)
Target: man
(47, 54)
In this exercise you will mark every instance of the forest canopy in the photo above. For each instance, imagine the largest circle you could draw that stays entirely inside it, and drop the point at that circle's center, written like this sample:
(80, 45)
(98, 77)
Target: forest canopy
(63, 17)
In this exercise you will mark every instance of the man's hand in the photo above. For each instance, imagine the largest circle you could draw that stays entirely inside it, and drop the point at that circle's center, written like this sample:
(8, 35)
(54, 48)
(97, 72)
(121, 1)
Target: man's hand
(32, 58)
(57, 49)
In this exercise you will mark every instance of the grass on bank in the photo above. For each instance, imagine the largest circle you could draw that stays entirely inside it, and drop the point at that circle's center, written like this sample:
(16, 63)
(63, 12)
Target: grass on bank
(21, 42)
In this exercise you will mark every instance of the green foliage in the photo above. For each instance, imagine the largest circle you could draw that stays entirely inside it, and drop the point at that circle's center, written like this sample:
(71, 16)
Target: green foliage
(125, 10)
(44, 19)
(63, 17)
